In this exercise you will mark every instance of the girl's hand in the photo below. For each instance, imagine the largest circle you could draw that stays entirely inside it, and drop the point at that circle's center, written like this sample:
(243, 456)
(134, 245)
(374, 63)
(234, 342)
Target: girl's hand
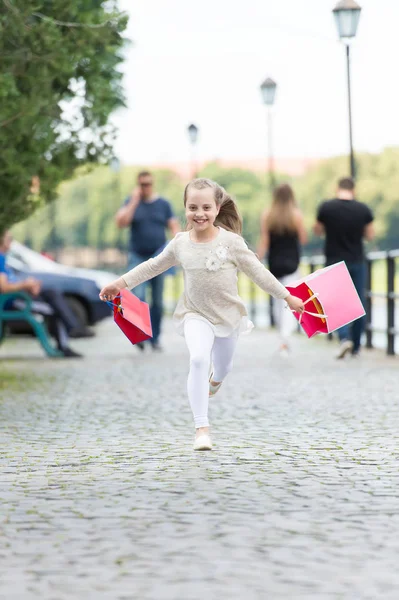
(110, 291)
(295, 304)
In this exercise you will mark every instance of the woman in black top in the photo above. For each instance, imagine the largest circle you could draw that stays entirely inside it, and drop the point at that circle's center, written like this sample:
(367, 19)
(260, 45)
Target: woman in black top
(282, 235)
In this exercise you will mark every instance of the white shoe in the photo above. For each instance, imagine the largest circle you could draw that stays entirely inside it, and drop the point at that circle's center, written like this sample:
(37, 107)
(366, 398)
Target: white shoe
(202, 442)
(345, 347)
(284, 351)
(213, 389)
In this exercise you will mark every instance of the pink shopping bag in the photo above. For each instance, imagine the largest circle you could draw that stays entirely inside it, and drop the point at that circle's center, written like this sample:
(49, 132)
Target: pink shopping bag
(330, 297)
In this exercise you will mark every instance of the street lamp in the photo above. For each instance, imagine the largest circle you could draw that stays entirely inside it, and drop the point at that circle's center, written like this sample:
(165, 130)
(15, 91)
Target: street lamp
(268, 91)
(347, 15)
(192, 131)
(115, 166)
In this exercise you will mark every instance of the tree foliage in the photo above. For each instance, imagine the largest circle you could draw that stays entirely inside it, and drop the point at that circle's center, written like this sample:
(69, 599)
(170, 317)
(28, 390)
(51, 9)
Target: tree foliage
(60, 84)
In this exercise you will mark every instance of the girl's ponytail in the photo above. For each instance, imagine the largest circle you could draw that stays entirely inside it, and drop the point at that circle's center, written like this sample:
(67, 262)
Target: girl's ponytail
(229, 218)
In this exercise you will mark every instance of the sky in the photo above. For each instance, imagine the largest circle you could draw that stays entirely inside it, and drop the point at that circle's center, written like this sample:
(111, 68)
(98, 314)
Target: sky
(202, 62)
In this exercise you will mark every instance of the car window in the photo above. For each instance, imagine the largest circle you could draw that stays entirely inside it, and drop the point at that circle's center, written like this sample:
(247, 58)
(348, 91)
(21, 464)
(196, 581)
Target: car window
(35, 260)
(15, 263)
(16, 256)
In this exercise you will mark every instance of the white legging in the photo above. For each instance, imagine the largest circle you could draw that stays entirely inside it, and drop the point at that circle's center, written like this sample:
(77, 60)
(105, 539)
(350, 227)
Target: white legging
(204, 346)
(285, 320)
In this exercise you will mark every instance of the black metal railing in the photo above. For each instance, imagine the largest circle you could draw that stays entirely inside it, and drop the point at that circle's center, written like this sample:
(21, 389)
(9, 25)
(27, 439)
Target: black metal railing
(390, 296)
(380, 320)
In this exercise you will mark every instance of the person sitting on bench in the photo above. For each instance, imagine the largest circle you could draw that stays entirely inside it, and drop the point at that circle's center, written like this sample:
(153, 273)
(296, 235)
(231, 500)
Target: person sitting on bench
(48, 302)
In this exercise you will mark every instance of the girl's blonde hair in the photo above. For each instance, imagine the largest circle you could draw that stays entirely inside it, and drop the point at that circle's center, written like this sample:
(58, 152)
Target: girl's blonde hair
(229, 218)
(281, 216)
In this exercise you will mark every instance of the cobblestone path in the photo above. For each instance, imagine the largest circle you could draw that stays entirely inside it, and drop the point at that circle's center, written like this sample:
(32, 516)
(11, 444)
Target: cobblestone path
(102, 496)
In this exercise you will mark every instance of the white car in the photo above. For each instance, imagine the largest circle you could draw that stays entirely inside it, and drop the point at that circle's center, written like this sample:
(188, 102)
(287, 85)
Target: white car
(34, 261)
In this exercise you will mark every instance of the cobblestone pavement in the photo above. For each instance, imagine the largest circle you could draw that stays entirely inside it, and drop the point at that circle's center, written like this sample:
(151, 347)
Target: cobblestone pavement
(102, 496)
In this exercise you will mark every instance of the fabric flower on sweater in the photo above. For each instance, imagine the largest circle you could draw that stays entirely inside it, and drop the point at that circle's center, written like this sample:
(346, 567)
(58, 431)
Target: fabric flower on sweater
(217, 258)
(213, 263)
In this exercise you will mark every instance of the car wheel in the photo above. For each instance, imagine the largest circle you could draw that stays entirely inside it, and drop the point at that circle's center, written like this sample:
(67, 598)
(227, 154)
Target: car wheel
(79, 310)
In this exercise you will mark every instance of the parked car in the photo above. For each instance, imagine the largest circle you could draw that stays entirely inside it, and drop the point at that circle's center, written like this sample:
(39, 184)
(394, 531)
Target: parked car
(37, 262)
(80, 291)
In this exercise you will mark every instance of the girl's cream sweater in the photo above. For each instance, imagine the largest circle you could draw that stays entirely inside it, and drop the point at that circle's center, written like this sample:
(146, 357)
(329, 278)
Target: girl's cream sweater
(210, 280)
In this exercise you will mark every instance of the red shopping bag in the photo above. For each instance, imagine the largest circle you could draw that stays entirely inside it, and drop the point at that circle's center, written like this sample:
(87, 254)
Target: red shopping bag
(132, 316)
(330, 298)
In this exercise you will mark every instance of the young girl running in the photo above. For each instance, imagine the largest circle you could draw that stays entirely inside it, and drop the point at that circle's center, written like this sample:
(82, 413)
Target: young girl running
(210, 314)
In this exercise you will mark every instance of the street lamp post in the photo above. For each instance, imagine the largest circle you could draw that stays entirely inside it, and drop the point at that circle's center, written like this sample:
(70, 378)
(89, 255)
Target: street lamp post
(347, 15)
(268, 91)
(192, 131)
(115, 166)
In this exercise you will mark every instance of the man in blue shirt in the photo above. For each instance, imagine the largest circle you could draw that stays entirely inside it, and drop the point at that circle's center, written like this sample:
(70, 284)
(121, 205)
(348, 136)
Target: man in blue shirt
(48, 302)
(148, 216)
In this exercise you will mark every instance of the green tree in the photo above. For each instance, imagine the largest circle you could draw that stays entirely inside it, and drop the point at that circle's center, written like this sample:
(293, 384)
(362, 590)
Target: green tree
(60, 83)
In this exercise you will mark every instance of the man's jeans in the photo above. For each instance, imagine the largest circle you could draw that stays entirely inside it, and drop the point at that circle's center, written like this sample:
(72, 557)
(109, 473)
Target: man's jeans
(354, 330)
(156, 284)
(61, 320)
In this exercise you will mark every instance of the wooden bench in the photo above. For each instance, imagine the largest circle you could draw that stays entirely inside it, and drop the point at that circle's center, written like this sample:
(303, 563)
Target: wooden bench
(25, 314)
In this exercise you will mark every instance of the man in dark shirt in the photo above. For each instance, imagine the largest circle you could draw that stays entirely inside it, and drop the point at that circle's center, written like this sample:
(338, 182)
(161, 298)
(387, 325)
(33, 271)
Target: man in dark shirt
(148, 216)
(345, 222)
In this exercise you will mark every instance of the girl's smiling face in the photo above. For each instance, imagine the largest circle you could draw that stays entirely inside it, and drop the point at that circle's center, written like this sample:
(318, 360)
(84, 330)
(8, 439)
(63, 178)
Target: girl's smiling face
(201, 209)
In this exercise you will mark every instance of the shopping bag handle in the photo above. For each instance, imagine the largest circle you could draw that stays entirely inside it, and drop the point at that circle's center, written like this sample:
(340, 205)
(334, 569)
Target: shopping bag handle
(112, 304)
(312, 314)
